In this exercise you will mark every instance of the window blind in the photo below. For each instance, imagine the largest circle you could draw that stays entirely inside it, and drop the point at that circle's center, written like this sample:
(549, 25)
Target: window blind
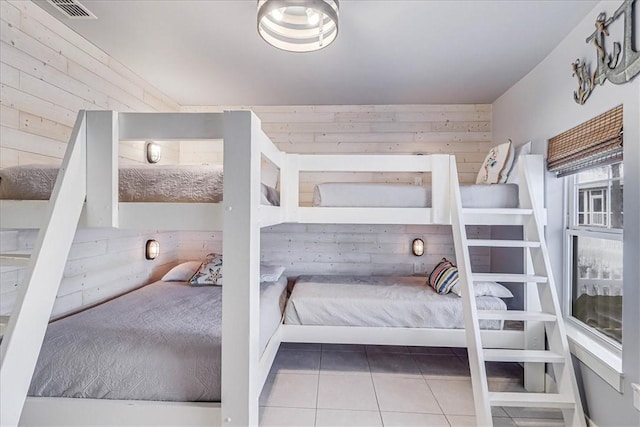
(595, 142)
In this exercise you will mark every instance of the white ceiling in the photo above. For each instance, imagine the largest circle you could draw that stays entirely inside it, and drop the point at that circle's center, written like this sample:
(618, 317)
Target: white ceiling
(387, 51)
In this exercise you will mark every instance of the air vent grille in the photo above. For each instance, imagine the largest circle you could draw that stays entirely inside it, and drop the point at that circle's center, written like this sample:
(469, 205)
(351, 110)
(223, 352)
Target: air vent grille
(72, 9)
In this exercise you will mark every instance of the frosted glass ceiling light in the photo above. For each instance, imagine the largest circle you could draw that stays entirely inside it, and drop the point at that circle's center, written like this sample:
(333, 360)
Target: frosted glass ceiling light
(298, 25)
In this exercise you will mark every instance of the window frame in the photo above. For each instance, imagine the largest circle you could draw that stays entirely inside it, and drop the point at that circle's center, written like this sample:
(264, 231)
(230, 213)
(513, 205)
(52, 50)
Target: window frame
(572, 229)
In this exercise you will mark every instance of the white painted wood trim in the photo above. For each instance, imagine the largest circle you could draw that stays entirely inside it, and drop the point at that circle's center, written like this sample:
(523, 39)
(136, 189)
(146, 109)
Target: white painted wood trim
(268, 356)
(329, 215)
(429, 337)
(241, 251)
(101, 209)
(170, 126)
(28, 322)
(70, 412)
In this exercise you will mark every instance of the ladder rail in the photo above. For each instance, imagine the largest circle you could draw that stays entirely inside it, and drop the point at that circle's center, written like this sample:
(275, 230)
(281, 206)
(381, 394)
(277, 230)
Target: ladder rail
(28, 322)
(471, 322)
(556, 332)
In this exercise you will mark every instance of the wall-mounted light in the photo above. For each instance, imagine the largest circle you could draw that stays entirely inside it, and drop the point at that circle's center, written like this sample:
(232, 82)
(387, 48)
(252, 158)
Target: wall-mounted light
(417, 247)
(154, 152)
(152, 249)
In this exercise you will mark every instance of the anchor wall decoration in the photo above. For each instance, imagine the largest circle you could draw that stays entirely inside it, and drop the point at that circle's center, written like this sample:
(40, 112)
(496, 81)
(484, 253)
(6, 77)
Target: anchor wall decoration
(610, 66)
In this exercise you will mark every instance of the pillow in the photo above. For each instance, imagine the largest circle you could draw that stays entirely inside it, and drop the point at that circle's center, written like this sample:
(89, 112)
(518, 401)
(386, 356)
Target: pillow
(514, 174)
(494, 164)
(443, 276)
(209, 273)
(181, 272)
(490, 289)
(508, 164)
(270, 273)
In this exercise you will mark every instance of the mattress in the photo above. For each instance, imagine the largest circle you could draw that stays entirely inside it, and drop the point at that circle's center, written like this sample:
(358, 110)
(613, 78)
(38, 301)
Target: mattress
(183, 184)
(161, 342)
(385, 301)
(410, 196)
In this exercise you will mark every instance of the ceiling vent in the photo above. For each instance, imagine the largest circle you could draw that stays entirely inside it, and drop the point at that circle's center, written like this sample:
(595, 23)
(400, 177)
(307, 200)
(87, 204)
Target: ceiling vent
(72, 9)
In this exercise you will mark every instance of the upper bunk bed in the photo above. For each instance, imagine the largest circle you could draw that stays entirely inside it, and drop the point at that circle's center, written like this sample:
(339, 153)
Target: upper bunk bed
(112, 200)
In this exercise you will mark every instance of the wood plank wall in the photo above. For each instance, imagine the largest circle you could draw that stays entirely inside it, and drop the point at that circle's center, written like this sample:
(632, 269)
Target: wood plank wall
(463, 130)
(48, 73)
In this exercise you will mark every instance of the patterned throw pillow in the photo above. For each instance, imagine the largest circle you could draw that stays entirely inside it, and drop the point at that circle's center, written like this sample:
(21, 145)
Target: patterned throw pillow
(443, 277)
(495, 163)
(209, 273)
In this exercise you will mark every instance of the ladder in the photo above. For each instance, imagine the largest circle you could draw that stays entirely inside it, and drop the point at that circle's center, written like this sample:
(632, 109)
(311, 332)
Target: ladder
(25, 328)
(537, 275)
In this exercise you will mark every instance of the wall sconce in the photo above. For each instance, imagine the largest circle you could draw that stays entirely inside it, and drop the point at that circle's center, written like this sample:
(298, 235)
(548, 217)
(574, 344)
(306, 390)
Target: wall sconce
(417, 247)
(152, 249)
(154, 152)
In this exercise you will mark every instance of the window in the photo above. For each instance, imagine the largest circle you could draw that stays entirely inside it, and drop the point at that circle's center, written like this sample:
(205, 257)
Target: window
(594, 255)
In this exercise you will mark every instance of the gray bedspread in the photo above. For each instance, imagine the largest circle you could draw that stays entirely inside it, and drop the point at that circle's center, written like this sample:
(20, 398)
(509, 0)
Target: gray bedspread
(179, 184)
(161, 342)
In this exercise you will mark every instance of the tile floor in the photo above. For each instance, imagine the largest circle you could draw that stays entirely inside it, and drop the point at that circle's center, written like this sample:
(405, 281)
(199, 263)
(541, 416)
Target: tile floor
(391, 386)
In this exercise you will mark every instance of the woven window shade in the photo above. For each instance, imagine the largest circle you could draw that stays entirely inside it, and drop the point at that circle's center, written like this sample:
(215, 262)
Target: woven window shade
(593, 143)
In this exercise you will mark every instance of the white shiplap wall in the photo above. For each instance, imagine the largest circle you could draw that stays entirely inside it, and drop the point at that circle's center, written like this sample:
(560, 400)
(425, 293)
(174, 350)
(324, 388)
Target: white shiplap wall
(48, 73)
(463, 130)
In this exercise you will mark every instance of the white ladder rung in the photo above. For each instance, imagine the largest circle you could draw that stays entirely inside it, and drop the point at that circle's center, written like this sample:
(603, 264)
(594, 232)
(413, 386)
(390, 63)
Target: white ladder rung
(532, 400)
(4, 321)
(507, 277)
(532, 356)
(532, 316)
(14, 260)
(497, 211)
(503, 243)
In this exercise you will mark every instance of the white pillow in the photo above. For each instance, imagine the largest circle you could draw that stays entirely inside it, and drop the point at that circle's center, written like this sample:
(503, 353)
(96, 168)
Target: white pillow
(270, 273)
(489, 289)
(514, 173)
(508, 164)
(181, 272)
(494, 164)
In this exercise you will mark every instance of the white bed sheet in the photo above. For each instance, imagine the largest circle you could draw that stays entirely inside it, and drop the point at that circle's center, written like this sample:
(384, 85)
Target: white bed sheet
(410, 196)
(384, 301)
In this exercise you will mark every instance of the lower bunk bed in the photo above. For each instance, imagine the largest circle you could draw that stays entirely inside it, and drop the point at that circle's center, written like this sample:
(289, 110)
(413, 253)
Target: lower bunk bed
(390, 310)
(154, 351)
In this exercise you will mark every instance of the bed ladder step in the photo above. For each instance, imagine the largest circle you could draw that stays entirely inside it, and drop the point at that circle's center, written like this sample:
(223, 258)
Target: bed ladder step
(532, 356)
(497, 211)
(14, 260)
(531, 316)
(532, 400)
(503, 243)
(508, 277)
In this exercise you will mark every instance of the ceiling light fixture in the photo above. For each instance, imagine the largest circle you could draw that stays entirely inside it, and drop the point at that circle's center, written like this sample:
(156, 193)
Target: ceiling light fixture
(298, 25)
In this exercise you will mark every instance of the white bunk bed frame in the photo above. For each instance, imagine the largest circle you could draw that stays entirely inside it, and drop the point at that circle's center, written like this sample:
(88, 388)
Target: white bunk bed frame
(89, 170)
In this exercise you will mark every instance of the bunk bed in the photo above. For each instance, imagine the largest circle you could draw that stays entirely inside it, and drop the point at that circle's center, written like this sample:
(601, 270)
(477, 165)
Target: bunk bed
(86, 195)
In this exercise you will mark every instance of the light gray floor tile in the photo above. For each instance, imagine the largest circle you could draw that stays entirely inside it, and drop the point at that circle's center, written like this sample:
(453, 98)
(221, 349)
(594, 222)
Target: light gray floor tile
(398, 394)
(470, 421)
(387, 349)
(406, 419)
(343, 347)
(290, 390)
(538, 422)
(504, 371)
(454, 397)
(442, 367)
(296, 362)
(300, 346)
(353, 392)
(541, 413)
(396, 364)
(343, 418)
(431, 350)
(287, 417)
(344, 363)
